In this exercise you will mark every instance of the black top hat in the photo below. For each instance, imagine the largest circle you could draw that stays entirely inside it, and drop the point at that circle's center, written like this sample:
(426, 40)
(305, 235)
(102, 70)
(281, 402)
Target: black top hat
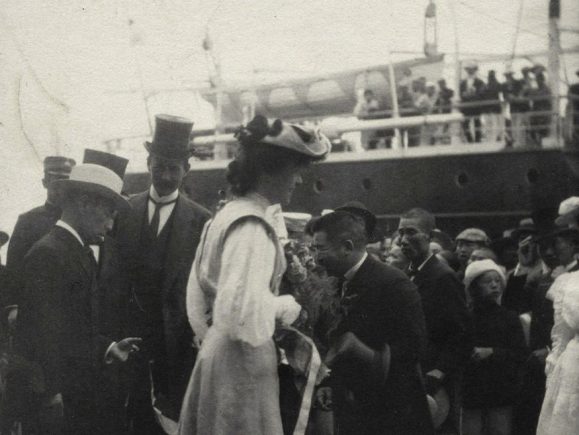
(171, 140)
(358, 209)
(115, 163)
(58, 165)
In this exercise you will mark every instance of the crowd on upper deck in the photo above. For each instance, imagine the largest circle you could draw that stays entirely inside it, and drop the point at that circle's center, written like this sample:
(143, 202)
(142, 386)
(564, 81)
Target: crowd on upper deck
(516, 110)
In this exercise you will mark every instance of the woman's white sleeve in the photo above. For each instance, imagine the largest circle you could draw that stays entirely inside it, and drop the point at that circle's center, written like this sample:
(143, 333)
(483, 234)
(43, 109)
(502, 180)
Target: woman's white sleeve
(196, 306)
(245, 306)
(570, 310)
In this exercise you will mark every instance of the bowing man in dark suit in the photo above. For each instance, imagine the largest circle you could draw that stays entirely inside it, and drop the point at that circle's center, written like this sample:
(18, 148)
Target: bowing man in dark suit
(30, 228)
(160, 238)
(448, 323)
(59, 326)
(375, 384)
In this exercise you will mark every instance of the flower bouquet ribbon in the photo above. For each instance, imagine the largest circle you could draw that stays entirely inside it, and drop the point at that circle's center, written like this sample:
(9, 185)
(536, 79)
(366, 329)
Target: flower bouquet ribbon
(303, 357)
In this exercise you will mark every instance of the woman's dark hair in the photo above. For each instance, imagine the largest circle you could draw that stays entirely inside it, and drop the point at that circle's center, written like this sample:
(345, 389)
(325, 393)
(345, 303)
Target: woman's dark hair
(255, 158)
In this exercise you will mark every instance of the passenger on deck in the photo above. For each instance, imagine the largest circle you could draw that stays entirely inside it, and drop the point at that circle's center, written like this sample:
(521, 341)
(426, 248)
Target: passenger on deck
(573, 103)
(365, 108)
(444, 105)
(518, 106)
(471, 94)
(492, 109)
(539, 95)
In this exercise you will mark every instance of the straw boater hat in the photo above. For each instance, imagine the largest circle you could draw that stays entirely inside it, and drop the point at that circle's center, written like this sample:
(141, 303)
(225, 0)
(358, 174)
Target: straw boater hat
(297, 138)
(94, 179)
(171, 139)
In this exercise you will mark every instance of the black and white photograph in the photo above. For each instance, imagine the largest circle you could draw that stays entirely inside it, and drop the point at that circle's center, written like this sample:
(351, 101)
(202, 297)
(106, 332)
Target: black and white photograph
(289, 217)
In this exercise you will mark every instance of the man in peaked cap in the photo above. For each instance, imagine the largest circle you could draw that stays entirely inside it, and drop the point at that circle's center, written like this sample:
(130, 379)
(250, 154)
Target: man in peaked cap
(59, 321)
(467, 241)
(31, 227)
(160, 237)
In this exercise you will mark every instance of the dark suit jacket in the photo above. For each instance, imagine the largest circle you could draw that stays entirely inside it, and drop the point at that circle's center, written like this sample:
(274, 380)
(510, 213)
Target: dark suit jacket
(471, 100)
(30, 228)
(59, 315)
(384, 309)
(447, 319)
(188, 221)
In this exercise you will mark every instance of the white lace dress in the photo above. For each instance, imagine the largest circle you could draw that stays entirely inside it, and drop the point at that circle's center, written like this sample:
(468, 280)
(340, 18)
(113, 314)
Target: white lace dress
(560, 411)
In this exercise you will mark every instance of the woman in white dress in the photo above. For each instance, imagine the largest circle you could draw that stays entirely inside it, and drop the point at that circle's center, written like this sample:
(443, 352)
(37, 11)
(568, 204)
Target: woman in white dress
(232, 298)
(560, 411)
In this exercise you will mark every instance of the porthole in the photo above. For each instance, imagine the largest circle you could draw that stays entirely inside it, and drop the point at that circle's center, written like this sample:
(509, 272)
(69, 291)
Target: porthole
(367, 184)
(318, 186)
(461, 179)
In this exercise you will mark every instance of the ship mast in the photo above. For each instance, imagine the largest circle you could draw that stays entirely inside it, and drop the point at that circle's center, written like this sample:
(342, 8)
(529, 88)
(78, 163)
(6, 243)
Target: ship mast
(554, 66)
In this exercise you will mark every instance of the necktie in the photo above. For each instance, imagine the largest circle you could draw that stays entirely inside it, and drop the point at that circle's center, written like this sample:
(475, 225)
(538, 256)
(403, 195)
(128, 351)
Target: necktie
(154, 225)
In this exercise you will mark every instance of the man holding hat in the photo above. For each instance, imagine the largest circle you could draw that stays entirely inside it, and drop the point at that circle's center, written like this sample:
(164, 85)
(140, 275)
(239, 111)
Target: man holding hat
(31, 227)
(443, 301)
(471, 94)
(59, 320)
(375, 385)
(159, 238)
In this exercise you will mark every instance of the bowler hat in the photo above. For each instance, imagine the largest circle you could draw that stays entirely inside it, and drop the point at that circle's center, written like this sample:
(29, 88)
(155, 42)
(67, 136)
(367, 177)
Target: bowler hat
(94, 179)
(526, 228)
(115, 163)
(358, 209)
(171, 139)
(58, 165)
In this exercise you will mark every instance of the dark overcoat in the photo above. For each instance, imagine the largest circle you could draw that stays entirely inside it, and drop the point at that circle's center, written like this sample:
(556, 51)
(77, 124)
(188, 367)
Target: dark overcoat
(30, 228)
(448, 324)
(382, 307)
(58, 324)
(188, 219)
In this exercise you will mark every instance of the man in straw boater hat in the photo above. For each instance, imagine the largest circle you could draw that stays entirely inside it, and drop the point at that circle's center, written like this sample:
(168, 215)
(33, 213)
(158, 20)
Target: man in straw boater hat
(31, 227)
(59, 319)
(160, 236)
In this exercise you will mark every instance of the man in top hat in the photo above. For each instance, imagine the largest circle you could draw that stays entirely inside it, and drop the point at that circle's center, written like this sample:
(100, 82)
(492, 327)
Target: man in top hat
(471, 94)
(31, 227)
(375, 385)
(160, 236)
(443, 301)
(59, 326)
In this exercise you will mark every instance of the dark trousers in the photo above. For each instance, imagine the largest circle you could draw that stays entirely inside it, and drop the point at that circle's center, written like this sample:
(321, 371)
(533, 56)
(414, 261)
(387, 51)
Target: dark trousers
(477, 128)
(528, 407)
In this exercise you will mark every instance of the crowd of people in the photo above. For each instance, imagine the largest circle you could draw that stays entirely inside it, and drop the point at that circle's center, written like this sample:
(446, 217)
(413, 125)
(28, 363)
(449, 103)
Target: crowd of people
(148, 314)
(514, 111)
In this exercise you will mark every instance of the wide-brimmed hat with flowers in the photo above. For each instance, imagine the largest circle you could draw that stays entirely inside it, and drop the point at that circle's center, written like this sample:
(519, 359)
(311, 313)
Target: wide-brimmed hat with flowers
(304, 140)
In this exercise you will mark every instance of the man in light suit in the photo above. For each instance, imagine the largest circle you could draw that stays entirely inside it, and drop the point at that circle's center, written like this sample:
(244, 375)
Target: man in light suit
(159, 238)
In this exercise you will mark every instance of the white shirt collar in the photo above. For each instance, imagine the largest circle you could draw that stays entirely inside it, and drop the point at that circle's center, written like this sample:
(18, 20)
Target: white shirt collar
(71, 230)
(350, 273)
(162, 199)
